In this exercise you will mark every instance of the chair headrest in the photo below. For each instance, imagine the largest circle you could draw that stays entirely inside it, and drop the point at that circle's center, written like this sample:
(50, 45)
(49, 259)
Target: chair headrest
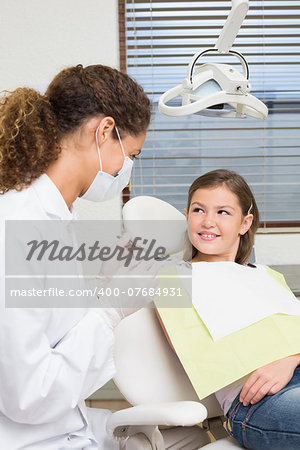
(152, 218)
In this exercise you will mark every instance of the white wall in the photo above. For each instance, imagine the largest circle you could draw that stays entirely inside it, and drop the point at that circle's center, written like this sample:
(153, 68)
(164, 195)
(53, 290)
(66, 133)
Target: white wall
(278, 248)
(38, 38)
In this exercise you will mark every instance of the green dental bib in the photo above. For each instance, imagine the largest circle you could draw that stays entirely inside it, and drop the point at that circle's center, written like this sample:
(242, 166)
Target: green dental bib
(212, 365)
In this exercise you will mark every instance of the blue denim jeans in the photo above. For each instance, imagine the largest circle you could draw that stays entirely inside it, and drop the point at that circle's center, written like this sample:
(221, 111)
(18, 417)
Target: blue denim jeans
(272, 423)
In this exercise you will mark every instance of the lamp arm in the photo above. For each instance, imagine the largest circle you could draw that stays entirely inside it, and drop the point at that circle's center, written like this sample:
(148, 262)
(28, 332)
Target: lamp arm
(232, 25)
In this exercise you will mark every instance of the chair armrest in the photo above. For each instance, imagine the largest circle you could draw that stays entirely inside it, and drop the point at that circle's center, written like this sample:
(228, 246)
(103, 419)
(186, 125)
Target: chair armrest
(168, 414)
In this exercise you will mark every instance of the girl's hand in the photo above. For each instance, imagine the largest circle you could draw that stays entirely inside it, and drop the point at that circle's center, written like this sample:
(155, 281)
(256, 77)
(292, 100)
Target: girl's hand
(269, 379)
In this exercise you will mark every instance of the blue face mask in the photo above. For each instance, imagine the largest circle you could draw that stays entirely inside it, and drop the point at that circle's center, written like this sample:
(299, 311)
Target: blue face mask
(106, 186)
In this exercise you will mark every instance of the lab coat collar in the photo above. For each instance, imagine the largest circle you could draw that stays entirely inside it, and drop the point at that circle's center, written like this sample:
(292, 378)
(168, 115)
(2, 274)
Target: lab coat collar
(51, 199)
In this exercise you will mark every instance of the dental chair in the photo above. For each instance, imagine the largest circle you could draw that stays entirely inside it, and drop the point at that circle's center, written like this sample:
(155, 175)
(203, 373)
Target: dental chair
(148, 372)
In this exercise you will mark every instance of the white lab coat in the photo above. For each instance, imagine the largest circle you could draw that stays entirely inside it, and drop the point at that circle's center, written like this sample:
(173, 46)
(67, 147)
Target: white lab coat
(51, 360)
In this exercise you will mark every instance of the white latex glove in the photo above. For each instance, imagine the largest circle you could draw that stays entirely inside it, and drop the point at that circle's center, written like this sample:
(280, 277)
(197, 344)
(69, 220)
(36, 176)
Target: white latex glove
(110, 267)
(134, 286)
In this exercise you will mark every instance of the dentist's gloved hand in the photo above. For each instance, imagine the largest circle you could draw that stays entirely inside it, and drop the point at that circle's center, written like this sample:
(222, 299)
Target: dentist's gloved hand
(110, 267)
(124, 290)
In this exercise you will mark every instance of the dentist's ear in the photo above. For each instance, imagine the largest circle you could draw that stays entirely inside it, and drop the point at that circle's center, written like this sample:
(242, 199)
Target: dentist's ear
(246, 224)
(105, 128)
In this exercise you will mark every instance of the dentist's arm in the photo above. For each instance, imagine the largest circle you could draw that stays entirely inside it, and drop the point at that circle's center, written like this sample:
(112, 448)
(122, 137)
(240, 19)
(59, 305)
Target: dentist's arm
(41, 381)
(51, 358)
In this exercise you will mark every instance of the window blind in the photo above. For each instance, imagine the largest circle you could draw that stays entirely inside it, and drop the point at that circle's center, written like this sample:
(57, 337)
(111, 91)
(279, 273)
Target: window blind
(160, 38)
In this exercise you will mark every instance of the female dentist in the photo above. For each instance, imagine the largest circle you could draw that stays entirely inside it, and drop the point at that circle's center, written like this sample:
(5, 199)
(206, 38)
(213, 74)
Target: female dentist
(78, 140)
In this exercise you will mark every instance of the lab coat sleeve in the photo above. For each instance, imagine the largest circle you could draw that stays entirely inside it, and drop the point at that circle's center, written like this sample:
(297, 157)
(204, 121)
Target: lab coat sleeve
(40, 384)
(50, 359)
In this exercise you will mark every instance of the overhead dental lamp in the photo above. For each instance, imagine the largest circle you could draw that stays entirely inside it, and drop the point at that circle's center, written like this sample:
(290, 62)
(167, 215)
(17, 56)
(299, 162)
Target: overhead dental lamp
(215, 85)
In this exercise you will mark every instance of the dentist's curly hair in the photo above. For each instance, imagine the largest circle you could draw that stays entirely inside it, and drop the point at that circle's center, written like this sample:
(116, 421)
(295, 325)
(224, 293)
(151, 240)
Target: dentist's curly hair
(238, 186)
(32, 125)
(28, 138)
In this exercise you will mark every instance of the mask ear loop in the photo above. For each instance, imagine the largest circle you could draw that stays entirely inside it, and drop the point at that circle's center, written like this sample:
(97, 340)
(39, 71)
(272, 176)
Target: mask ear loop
(118, 134)
(98, 149)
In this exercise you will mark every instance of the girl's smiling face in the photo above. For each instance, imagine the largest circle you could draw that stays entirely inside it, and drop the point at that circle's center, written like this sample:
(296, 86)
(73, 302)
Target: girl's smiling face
(215, 223)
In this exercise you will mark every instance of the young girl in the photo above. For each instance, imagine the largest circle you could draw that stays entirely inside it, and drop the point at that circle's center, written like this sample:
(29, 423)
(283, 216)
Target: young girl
(262, 409)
